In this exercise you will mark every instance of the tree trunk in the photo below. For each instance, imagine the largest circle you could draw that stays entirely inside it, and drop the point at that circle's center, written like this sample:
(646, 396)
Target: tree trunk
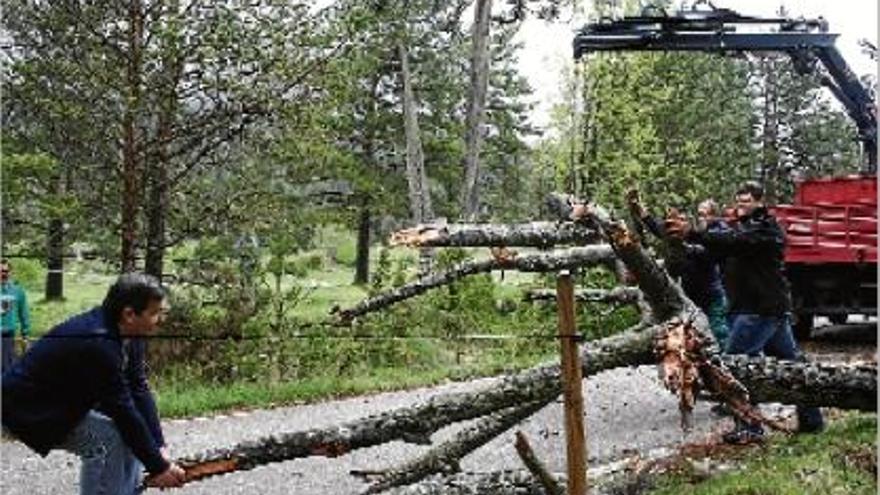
(156, 212)
(568, 259)
(362, 261)
(55, 260)
(445, 457)
(131, 157)
(419, 195)
(519, 482)
(533, 234)
(479, 81)
(770, 149)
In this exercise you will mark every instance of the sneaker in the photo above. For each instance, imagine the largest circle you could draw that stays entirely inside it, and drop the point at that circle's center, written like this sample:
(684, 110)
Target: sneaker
(744, 436)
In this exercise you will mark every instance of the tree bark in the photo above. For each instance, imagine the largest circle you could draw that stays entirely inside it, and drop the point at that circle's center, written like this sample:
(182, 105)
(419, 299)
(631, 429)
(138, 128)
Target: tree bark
(572, 258)
(362, 260)
(156, 213)
(479, 82)
(617, 295)
(444, 458)
(131, 157)
(496, 483)
(533, 234)
(535, 466)
(55, 260)
(417, 180)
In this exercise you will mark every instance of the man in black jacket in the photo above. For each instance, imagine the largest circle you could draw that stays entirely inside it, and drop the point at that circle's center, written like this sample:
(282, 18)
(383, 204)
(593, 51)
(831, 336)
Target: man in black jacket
(760, 305)
(83, 388)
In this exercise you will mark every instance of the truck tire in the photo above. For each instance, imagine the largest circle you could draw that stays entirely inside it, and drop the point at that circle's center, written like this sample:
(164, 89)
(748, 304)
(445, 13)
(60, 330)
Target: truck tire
(803, 326)
(838, 319)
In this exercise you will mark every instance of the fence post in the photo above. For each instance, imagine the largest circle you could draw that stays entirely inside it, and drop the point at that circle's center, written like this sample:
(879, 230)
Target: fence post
(572, 387)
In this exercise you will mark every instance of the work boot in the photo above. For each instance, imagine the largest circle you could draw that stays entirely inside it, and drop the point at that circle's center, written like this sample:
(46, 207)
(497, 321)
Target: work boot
(744, 433)
(810, 420)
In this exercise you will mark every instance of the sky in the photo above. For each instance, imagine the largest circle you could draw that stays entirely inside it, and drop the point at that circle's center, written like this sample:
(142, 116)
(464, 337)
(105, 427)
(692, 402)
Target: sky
(547, 51)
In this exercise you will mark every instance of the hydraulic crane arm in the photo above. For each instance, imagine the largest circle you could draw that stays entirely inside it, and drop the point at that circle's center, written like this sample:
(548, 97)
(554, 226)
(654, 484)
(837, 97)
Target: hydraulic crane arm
(806, 41)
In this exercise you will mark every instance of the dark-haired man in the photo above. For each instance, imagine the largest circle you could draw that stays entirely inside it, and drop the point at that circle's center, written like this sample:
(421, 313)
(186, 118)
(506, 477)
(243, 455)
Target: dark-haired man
(760, 305)
(82, 388)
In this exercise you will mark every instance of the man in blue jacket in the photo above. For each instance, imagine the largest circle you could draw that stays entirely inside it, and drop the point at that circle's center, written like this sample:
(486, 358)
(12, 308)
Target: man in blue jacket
(82, 388)
(14, 315)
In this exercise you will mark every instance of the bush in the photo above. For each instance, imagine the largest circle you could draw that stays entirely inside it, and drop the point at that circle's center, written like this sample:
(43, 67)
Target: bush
(29, 273)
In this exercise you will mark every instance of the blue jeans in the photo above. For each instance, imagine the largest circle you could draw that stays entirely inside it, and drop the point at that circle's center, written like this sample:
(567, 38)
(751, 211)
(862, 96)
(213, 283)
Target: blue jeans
(717, 315)
(771, 335)
(108, 465)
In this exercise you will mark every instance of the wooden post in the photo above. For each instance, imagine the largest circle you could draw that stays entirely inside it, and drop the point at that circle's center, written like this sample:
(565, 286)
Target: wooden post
(572, 388)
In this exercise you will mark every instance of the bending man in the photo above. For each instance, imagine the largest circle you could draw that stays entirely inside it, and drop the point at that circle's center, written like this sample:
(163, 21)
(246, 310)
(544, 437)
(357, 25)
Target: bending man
(82, 388)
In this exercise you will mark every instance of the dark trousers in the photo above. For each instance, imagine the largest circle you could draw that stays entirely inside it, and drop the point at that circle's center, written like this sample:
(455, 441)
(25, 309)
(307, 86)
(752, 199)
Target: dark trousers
(7, 352)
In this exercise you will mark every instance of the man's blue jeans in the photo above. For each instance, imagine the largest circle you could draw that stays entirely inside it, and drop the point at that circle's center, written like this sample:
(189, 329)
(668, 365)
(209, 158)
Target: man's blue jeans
(108, 465)
(771, 335)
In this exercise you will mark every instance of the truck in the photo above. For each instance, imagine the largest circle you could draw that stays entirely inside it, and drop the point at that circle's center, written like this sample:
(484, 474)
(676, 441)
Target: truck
(831, 225)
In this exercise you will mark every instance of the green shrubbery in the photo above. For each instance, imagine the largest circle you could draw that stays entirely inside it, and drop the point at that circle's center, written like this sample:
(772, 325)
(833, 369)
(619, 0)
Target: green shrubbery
(250, 330)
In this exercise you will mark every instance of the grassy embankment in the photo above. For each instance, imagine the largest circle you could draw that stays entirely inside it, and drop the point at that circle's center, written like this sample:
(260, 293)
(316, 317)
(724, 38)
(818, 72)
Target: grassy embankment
(842, 460)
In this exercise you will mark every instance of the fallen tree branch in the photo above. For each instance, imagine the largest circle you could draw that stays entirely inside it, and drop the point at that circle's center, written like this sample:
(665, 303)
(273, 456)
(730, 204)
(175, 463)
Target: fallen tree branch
(617, 295)
(445, 457)
(535, 466)
(567, 259)
(519, 482)
(808, 384)
(533, 234)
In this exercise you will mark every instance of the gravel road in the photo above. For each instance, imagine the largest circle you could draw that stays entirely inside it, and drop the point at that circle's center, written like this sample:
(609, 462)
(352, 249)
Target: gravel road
(627, 411)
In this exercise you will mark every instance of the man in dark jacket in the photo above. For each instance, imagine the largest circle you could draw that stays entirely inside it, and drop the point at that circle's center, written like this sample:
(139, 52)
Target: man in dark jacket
(692, 264)
(760, 306)
(82, 388)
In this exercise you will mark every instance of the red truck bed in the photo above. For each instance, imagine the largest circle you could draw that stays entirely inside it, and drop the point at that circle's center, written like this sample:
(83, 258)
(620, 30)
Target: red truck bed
(832, 221)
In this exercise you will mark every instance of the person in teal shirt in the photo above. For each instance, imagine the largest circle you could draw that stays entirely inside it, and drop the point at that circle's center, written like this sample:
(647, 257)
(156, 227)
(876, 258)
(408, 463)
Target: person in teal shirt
(15, 316)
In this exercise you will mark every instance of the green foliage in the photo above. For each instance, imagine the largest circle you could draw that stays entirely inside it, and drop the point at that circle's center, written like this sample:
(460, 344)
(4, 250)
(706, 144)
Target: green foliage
(681, 128)
(29, 273)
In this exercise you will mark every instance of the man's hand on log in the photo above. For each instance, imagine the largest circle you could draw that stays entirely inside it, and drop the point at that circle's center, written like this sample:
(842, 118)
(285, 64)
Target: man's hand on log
(172, 477)
(635, 203)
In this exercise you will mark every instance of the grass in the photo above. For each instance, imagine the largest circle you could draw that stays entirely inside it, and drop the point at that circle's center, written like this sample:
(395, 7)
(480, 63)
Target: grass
(181, 399)
(842, 460)
(81, 292)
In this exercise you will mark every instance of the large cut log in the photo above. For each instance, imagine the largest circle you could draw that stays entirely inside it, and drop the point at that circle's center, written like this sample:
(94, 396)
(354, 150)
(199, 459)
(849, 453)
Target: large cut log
(519, 482)
(617, 295)
(542, 262)
(532, 234)
(445, 457)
